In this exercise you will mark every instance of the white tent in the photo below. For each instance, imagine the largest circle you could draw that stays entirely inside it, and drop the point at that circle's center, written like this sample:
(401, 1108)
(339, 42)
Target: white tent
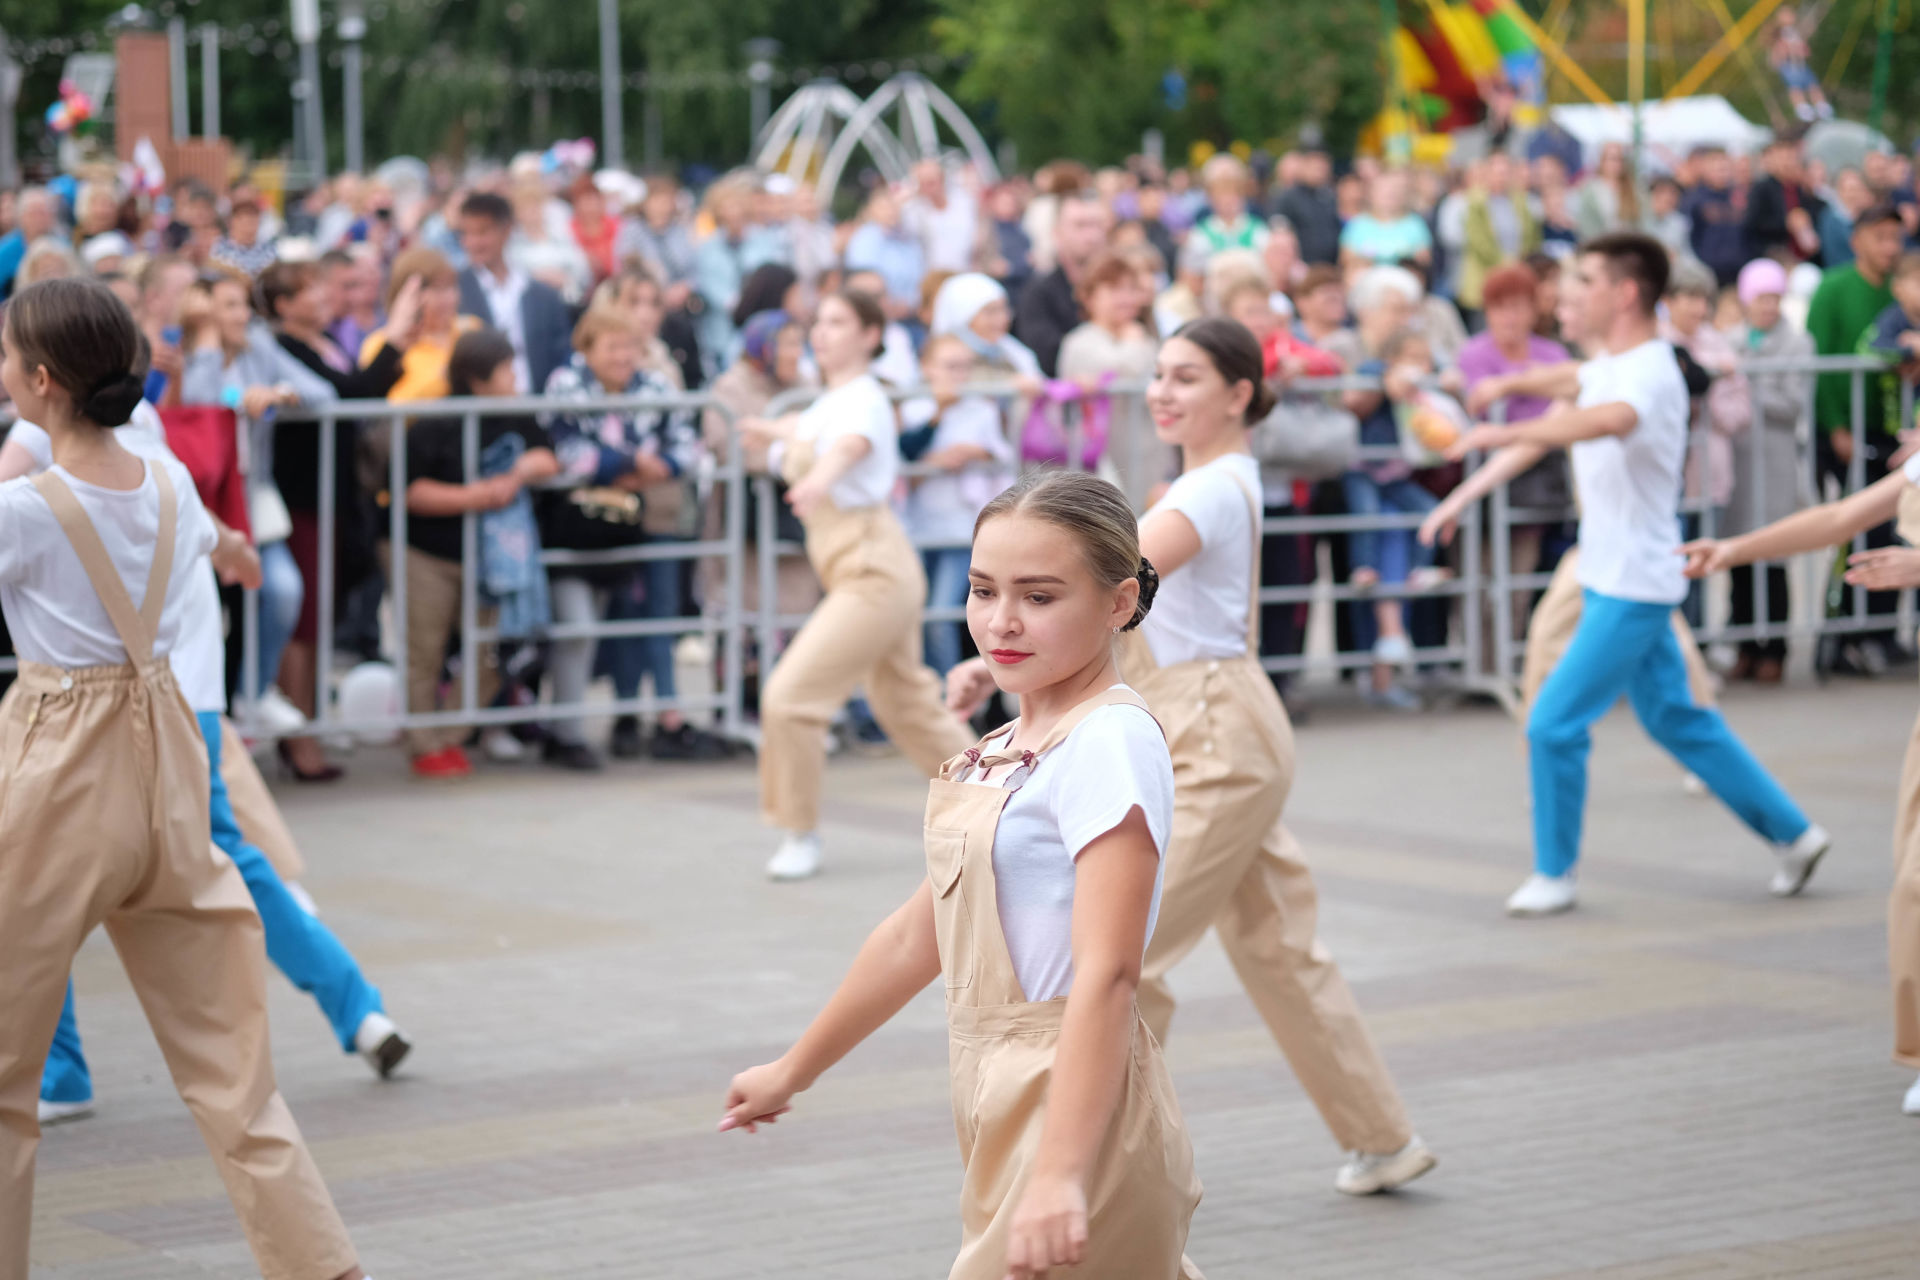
(1669, 129)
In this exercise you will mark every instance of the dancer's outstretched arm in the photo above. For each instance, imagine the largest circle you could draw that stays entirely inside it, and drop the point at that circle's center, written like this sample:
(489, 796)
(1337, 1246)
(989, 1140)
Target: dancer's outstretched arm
(1826, 525)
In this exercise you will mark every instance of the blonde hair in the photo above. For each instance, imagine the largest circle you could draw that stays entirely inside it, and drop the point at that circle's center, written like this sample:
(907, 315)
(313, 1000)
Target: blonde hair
(1223, 168)
(1228, 272)
(1097, 514)
(599, 321)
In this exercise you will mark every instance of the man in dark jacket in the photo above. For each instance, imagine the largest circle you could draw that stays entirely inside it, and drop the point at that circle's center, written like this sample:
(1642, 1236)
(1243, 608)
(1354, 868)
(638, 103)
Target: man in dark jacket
(1719, 235)
(1310, 206)
(1049, 309)
(1783, 214)
(531, 314)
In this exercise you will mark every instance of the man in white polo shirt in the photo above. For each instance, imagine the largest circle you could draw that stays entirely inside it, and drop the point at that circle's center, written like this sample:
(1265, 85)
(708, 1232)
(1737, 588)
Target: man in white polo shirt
(1627, 438)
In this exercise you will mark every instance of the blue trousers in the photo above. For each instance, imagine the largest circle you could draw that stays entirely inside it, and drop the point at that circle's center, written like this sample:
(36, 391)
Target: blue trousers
(1625, 646)
(1393, 553)
(282, 593)
(299, 945)
(627, 658)
(946, 587)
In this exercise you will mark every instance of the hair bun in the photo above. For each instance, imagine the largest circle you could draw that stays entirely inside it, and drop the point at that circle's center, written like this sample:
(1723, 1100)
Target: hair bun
(1149, 588)
(1262, 403)
(113, 401)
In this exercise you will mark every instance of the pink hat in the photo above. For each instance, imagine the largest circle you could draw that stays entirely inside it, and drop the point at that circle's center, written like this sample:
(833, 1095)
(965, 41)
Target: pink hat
(1762, 275)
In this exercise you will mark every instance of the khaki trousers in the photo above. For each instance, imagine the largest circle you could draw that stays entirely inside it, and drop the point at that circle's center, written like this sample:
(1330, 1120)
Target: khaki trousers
(864, 634)
(1556, 618)
(1233, 866)
(253, 806)
(433, 615)
(103, 820)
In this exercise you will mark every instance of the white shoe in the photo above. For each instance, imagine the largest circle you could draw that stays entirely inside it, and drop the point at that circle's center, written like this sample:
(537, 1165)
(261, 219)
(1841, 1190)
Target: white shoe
(1911, 1106)
(273, 716)
(382, 1044)
(797, 858)
(1395, 651)
(1691, 784)
(502, 747)
(1366, 1175)
(60, 1112)
(1542, 896)
(1798, 860)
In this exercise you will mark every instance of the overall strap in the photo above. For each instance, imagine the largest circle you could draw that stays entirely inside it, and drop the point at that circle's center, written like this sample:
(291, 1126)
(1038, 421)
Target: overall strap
(137, 627)
(1253, 570)
(980, 756)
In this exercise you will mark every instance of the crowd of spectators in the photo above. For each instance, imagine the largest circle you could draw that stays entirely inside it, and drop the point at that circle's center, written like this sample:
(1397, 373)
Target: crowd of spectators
(1016, 308)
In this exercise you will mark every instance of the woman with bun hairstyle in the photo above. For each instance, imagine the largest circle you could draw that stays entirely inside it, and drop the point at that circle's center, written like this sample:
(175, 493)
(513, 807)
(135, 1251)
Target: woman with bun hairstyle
(1232, 865)
(841, 459)
(104, 787)
(1044, 846)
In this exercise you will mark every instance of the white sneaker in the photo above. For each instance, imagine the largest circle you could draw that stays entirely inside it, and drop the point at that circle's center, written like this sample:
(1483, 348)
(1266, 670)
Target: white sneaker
(382, 1044)
(797, 858)
(1910, 1106)
(1366, 1175)
(273, 716)
(1395, 651)
(1798, 860)
(1691, 784)
(60, 1112)
(502, 747)
(1542, 896)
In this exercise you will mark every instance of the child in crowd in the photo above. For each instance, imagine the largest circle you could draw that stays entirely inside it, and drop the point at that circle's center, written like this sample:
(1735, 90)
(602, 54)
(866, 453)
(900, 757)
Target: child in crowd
(1789, 56)
(964, 437)
(1895, 336)
(107, 800)
(439, 495)
(1389, 558)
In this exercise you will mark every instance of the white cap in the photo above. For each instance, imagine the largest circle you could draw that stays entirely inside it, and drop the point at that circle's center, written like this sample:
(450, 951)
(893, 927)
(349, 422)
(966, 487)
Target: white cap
(108, 244)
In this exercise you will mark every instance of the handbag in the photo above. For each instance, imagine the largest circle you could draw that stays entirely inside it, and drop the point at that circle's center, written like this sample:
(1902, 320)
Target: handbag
(595, 518)
(1045, 437)
(1309, 437)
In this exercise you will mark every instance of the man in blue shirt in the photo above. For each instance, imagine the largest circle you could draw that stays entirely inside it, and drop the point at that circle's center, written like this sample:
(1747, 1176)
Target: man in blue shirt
(36, 215)
(883, 244)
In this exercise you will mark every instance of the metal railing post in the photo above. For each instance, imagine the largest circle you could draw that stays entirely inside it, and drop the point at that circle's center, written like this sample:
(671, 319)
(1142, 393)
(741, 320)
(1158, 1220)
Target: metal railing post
(731, 643)
(327, 518)
(470, 568)
(397, 547)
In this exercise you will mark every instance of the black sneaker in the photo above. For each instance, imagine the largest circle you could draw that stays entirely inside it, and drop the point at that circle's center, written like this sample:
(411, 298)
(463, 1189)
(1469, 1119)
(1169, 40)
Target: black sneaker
(686, 743)
(577, 756)
(625, 743)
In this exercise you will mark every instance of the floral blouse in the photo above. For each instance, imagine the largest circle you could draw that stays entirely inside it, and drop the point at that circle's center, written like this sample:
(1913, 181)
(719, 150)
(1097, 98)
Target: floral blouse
(599, 446)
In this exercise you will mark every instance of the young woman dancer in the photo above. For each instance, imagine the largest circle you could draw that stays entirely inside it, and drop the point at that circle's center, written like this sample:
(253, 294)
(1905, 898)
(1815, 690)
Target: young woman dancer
(1232, 865)
(1044, 853)
(298, 943)
(1883, 569)
(842, 457)
(103, 788)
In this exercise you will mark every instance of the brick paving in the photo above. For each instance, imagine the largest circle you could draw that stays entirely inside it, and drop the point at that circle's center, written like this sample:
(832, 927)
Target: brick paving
(1684, 1079)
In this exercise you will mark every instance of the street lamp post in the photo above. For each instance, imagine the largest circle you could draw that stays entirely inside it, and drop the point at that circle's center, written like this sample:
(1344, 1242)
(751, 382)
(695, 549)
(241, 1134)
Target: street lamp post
(177, 73)
(306, 92)
(209, 79)
(760, 51)
(613, 143)
(353, 29)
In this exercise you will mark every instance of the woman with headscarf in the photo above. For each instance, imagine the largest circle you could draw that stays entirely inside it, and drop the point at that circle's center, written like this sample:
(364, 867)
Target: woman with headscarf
(974, 308)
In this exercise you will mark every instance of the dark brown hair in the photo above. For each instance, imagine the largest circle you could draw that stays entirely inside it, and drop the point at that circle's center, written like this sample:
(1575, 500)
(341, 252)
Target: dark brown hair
(429, 264)
(1108, 269)
(1631, 255)
(280, 281)
(84, 337)
(1235, 355)
(475, 356)
(866, 309)
(1097, 514)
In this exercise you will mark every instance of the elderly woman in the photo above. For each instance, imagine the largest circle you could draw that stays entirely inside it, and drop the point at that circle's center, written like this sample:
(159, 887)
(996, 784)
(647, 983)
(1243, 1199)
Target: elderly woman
(654, 453)
(1768, 487)
(772, 346)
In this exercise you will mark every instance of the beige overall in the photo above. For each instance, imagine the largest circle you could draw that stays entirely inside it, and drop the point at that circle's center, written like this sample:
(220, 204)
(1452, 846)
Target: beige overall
(865, 633)
(1142, 1190)
(1903, 905)
(1557, 616)
(1233, 866)
(103, 819)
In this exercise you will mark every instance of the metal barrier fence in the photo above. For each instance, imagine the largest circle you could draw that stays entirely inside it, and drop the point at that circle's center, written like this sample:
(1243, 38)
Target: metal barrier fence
(1467, 658)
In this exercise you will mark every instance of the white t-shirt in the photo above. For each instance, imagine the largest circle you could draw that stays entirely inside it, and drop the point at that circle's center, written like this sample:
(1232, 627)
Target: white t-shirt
(857, 408)
(1114, 761)
(1911, 469)
(199, 661)
(946, 505)
(52, 610)
(1629, 485)
(1201, 611)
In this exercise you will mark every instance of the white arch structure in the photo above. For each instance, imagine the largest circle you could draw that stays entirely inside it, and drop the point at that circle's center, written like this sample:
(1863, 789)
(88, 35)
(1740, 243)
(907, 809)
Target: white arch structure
(789, 141)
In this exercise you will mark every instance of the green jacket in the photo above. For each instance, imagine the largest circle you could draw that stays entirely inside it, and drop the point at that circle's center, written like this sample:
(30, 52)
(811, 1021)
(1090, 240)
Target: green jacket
(1483, 252)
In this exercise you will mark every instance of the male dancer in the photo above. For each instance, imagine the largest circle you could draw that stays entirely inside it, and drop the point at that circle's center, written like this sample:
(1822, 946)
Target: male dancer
(1627, 438)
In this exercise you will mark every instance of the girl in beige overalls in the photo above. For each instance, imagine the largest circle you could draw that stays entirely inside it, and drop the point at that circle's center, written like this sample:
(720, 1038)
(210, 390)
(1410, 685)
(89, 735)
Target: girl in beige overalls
(1895, 495)
(103, 789)
(1233, 866)
(1044, 848)
(842, 457)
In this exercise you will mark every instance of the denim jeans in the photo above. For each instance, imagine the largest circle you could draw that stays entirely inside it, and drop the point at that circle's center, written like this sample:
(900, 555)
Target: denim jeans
(946, 589)
(280, 598)
(1392, 553)
(625, 659)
